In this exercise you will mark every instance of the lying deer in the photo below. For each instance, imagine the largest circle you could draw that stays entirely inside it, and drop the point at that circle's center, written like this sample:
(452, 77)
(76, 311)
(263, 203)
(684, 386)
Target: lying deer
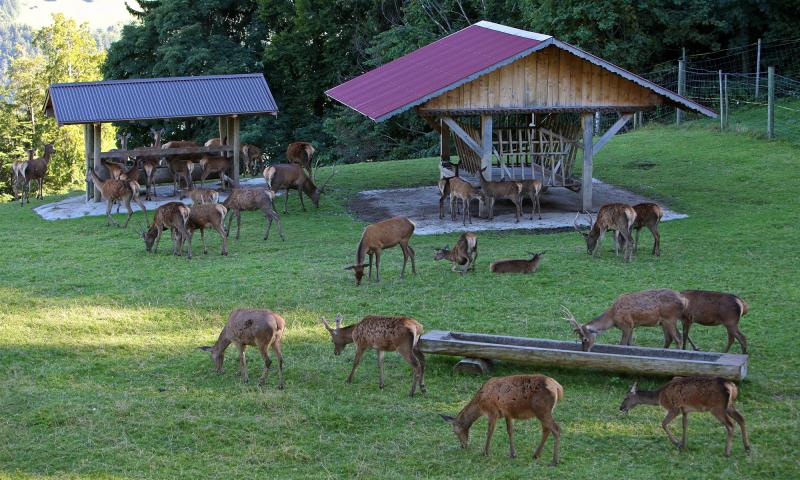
(648, 308)
(647, 215)
(259, 328)
(612, 216)
(463, 254)
(171, 216)
(381, 235)
(209, 215)
(301, 153)
(118, 190)
(289, 176)
(500, 190)
(384, 334)
(36, 169)
(693, 394)
(513, 397)
(517, 265)
(201, 196)
(250, 199)
(715, 308)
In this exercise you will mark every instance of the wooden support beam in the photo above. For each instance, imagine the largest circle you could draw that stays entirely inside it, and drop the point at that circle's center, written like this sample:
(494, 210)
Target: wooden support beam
(88, 147)
(97, 141)
(587, 119)
(464, 136)
(223, 129)
(229, 131)
(486, 145)
(237, 148)
(611, 132)
(150, 152)
(444, 142)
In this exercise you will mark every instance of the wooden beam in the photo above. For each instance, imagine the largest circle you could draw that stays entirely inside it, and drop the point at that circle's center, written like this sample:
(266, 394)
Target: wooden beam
(464, 136)
(88, 147)
(229, 132)
(237, 148)
(223, 129)
(587, 119)
(150, 152)
(97, 141)
(444, 142)
(612, 131)
(486, 145)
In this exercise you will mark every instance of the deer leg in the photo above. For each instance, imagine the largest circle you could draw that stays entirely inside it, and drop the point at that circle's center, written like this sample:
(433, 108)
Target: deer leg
(685, 428)
(239, 223)
(185, 235)
(276, 347)
(629, 246)
(302, 203)
(110, 219)
(735, 415)
(539, 205)
(224, 236)
(510, 430)
(406, 350)
(243, 364)
(489, 433)
(627, 335)
(158, 239)
(285, 201)
(596, 250)
(656, 240)
(413, 255)
(130, 212)
(404, 248)
(672, 329)
(370, 267)
(264, 349)
(665, 425)
(380, 368)
(741, 338)
(202, 238)
(726, 421)
(686, 340)
(377, 266)
(356, 361)
(518, 204)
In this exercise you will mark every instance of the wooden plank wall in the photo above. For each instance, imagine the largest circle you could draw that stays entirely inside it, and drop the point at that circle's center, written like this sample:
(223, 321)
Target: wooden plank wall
(548, 78)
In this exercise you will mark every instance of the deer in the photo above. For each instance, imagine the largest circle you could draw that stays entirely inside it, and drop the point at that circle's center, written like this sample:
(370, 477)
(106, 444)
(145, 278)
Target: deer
(384, 334)
(36, 169)
(211, 164)
(171, 216)
(252, 155)
(648, 215)
(301, 153)
(715, 308)
(118, 190)
(612, 216)
(493, 191)
(464, 191)
(532, 189)
(201, 196)
(288, 176)
(181, 166)
(514, 397)
(648, 308)
(260, 328)
(517, 265)
(693, 394)
(444, 192)
(381, 235)
(18, 168)
(215, 142)
(114, 169)
(249, 199)
(209, 215)
(463, 254)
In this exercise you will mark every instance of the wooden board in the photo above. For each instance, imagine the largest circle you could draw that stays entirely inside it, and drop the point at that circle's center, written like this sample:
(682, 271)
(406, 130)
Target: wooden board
(612, 358)
(164, 152)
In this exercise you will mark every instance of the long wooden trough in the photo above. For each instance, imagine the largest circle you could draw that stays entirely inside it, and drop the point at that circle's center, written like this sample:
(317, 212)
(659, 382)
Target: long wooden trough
(613, 358)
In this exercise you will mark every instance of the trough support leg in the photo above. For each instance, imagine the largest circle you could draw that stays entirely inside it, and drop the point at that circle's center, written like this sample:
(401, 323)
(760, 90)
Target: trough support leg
(473, 366)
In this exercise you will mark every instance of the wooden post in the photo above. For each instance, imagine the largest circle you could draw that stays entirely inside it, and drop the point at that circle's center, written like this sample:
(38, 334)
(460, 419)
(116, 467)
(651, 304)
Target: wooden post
(681, 88)
(770, 102)
(236, 151)
(229, 130)
(98, 139)
(727, 104)
(758, 66)
(721, 104)
(223, 130)
(88, 150)
(444, 141)
(486, 145)
(588, 147)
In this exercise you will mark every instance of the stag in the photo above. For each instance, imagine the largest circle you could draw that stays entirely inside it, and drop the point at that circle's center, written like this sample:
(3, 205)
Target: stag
(463, 254)
(212, 164)
(379, 236)
(715, 308)
(289, 176)
(36, 169)
(249, 199)
(612, 216)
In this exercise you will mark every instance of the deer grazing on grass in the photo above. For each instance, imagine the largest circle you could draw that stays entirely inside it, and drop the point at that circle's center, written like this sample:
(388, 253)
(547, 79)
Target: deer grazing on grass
(648, 308)
(301, 153)
(715, 308)
(201, 196)
(259, 328)
(464, 191)
(122, 191)
(384, 334)
(693, 394)
(36, 169)
(463, 254)
(513, 397)
(647, 215)
(493, 191)
(171, 216)
(18, 168)
(612, 216)
(379, 236)
(532, 189)
(517, 265)
(289, 176)
(209, 215)
(211, 164)
(250, 199)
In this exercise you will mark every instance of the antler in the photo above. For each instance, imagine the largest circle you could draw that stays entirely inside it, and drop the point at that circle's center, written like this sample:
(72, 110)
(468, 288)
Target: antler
(571, 319)
(575, 222)
(322, 188)
(591, 219)
(326, 324)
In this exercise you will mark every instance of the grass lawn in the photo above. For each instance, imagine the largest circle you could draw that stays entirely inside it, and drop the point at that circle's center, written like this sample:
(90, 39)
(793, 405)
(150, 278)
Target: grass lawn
(100, 378)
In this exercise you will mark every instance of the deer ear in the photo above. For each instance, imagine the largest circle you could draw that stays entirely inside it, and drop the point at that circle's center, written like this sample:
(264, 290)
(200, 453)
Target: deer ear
(205, 348)
(447, 418)
(634, 387)
(326, 324)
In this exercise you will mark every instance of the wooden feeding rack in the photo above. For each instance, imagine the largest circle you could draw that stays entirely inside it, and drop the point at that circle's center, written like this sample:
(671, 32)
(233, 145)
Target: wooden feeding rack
(613, 358)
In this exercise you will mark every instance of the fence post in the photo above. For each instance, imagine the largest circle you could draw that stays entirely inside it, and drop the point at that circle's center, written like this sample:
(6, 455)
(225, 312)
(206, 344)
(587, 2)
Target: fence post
(721, 104)
(727, 104)
(770, 102)
(681, 88)
(758, 66)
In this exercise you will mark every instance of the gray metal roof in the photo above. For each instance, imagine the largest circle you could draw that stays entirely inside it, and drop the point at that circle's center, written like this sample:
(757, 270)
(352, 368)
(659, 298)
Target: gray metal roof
(158, 98)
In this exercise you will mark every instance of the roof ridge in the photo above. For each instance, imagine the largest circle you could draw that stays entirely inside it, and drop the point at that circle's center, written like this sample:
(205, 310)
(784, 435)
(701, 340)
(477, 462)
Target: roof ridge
(513, 31)
(189, 78)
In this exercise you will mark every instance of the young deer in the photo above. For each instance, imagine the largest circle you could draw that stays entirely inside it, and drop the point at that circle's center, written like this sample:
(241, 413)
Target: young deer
(36, 169)
(517, 265)
(444, 192)
(648, 308)
(463, 254)
(301, 153)
(211, 164)
(647, 215)
(290, 176)
(381, 235)
(384, 334)
(250, 199)
(532, 189)
(612, 216)
(114, 169)
(171, 216)
(259, 328)
(252, 155)
(693, 394)
(209, 215)
(501, 190)
(715, 308)
(513, 397)
(201, 196)
(464, 191)
(18, 168)
(118, 190)
(181, 166)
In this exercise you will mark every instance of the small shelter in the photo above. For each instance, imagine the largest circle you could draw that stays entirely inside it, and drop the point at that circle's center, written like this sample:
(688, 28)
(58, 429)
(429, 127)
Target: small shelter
(541, 93)
(226, 97)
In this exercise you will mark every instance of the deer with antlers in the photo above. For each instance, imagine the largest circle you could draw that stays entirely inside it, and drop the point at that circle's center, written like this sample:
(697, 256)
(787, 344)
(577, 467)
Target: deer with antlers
(36, 169)
(301, 153)
(612, 216)
(122, 191)
(290, 176)
(379, 236)
(649, 308)
(384, 334)
(499, 190)
(463, 254)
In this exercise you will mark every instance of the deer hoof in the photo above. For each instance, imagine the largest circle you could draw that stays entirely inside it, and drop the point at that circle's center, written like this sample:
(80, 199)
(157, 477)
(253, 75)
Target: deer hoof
(553, 463)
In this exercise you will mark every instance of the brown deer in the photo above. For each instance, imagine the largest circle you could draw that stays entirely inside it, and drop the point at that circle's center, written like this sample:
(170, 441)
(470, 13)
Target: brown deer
(209, 215)
(288, 176)
(513, 397)
(181, 166)
(259, 328)
(517, 265)
(648, 215)
(384, 334)
(149, 166)
(647, 308)
(466, 192)
(36, 169)
(379, 236)
(493, 191)
(693, 394)
(250, 199)
(301, 153)
(114, 169)
(252, 155)
(214, 142)
(211, 164)
(200, 196)
(444, 192)
(463, 254)
(122, 191)
(171, 216)
(18, 168)
(532, 189)
(715, 308)
(612, 216)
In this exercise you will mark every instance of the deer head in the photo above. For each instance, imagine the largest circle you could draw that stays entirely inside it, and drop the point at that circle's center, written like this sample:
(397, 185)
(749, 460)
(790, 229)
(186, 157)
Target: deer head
(591, 240)
(149, 236)
(630, 398)
(217, 356)
(339, 342)
(441, 253)
(462, 432)
(320, 190)
(358, 270)
(584, 332)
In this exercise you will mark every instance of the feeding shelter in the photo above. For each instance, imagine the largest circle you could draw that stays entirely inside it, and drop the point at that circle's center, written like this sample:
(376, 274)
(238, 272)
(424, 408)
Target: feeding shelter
(512, 99)
(226, 97)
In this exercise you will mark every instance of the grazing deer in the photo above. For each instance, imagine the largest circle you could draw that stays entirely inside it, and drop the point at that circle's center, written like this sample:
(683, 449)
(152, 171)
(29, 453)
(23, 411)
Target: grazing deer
(249, 199)
(648, 308)
(211, 164)
(209, 215)
(381, 235)
(517, 265)
(715, 308)
(463, 254)
(122, 191)
(464, 191)
(18, 168)
(384, 334)
(693, 394)
(171, 216)
(259, 328)
(612, 216)
(200, 196)
(288, 176)
(301, 153)
(493, 191)
(648, 215)
(513, 397)
(532, 189)
(36, 169)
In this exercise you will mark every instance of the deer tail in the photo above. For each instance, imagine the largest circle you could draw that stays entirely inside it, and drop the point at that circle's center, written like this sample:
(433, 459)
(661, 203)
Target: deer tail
(743, 307)
(310, 151)
(732, 392)
(417, 334)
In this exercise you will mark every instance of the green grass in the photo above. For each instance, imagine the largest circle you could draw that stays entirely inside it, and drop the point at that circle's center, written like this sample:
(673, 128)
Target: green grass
(751, 119)
(99, 377)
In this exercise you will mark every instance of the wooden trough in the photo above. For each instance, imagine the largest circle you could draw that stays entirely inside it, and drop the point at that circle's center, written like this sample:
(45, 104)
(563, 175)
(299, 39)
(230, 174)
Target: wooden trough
(613, 358)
